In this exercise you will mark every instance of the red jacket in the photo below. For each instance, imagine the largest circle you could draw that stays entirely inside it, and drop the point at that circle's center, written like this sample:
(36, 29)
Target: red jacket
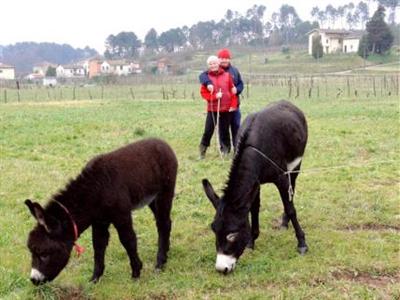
(221, 80)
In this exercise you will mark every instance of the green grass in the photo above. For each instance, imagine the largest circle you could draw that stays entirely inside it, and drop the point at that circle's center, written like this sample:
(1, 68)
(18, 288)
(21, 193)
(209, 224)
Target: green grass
(351, 215)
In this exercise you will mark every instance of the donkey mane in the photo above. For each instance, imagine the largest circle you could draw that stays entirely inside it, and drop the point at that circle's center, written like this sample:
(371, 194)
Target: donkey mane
(235, 169)
(77, 191)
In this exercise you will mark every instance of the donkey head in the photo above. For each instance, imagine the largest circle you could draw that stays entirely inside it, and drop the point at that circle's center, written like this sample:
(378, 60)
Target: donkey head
(50, 252)
(231, 228)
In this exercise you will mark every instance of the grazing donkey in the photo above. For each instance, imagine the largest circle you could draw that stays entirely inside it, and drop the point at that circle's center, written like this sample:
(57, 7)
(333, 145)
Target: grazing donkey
(109, 187)
(272, 142)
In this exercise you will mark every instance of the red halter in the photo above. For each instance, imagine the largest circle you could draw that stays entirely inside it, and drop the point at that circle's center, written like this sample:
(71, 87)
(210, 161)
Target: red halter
(79, 249)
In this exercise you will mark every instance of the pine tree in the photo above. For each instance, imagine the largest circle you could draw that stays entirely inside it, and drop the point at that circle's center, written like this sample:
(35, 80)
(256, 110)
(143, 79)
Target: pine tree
(317, 49)
(379, 36)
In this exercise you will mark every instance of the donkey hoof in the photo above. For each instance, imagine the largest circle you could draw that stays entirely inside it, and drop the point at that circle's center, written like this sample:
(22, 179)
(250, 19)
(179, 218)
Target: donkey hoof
(302, 250)
(136, 275)
(284, 227)
(95, 279)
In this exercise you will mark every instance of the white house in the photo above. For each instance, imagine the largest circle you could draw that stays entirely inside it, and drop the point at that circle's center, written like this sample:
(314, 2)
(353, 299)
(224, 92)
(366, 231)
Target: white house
(124, 67)
(336, 40)
(105, 68)
(7, 71)
(49, 81)
(70, 71)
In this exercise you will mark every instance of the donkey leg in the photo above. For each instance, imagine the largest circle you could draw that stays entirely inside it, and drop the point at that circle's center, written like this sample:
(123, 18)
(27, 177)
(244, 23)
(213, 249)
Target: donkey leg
(161, 208)
(100, 236)
(255, 227)
(285, 221)
(128, 239)
(290, 211)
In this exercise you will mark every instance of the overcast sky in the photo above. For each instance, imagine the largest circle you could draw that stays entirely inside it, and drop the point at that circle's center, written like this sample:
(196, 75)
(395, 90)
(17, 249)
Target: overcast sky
(87, 22)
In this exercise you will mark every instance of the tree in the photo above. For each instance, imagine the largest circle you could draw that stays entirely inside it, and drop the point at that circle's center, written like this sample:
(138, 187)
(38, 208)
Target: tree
(341, 12)
(321, 18)
(317, 49)
(51, 72)
(314, 13)
(379, 36)
(288, 19)
(171, 39)
(331, 12)
(151, 40)
(363, 11)
(363, 47)
(392, 5)
(122, 45)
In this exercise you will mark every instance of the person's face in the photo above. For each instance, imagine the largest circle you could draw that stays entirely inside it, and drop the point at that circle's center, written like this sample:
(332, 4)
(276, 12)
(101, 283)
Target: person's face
(213, 65)
(225, 62)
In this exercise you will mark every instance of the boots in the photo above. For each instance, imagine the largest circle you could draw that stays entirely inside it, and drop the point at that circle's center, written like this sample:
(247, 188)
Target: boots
(202, 150)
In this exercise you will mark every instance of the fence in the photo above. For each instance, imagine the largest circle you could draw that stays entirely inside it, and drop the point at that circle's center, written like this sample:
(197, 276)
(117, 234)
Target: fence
(187, 87)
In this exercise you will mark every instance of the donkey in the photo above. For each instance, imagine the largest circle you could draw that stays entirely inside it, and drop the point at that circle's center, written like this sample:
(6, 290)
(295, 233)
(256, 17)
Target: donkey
(272, 142)
(109, 187)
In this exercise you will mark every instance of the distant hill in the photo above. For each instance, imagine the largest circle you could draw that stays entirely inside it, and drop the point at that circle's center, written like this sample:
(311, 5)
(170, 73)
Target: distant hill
(26, 54)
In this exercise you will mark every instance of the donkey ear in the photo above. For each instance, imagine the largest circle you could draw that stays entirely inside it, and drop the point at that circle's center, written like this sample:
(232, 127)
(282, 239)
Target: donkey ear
(38, 212)
(208, 189)
(29, 203)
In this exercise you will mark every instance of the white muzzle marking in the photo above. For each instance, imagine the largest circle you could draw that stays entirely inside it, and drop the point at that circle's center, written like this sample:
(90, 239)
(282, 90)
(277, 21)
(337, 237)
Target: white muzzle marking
(37, 275)
(225, 263)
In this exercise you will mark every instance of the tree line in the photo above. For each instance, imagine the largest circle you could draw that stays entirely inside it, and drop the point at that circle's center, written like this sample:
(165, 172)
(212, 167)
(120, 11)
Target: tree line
(252, 28)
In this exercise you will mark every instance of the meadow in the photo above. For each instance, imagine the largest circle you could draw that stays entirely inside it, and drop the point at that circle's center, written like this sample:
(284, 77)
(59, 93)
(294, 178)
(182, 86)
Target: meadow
(349, 211)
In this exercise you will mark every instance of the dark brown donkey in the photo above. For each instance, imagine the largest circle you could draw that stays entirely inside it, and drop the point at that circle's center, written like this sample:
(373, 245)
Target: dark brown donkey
(109, 187)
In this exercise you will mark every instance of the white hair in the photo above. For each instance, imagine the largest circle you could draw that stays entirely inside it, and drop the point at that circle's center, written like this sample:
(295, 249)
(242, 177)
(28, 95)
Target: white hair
(212, 58)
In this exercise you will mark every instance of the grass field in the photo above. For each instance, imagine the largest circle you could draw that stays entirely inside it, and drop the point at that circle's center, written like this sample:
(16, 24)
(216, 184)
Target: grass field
(350, 215)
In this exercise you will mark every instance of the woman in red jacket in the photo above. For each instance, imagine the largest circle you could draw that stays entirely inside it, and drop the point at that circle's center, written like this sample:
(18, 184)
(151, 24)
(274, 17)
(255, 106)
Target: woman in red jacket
(221, 99)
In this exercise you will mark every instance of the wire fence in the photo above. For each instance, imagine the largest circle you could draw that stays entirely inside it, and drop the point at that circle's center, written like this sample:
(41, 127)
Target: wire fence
(187, 87)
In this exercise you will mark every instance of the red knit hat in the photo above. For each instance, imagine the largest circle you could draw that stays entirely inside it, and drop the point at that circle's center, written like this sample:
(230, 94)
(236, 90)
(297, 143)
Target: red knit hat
(224, 53)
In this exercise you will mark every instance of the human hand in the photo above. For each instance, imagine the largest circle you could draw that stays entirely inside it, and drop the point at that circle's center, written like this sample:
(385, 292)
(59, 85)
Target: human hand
(210, 88)
(234, 90)
(219, 95)
(232, 109)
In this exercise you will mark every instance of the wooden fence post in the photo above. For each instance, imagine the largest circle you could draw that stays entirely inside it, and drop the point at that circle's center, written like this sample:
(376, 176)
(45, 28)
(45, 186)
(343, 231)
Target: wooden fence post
(132, 94)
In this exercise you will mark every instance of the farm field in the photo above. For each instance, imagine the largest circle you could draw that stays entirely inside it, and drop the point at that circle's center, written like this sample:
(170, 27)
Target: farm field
(350, 214)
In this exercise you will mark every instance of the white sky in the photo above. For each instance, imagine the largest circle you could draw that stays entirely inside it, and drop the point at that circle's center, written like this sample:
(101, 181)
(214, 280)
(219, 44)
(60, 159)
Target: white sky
(87, 22)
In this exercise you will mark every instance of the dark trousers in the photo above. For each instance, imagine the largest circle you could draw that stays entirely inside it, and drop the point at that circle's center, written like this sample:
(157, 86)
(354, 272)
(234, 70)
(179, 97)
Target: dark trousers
(235, 124)
(223, 130)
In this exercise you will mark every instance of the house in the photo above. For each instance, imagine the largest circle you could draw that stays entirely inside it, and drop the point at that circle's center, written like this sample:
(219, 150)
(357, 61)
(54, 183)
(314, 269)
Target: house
(34, 77)
(336, 40)
(94, 68)
(105, 68)
(164, 66)
(70, 71)
(7, 71)
(124, 67)
(49, 81)
(42, 67)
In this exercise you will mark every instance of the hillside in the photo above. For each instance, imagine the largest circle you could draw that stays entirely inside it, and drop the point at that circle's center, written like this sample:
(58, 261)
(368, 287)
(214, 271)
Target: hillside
(275, 62)
(25, 55)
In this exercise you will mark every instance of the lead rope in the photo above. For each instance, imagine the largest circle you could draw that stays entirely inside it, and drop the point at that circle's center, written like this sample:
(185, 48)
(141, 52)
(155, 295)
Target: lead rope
(290, 188)
(314, 170)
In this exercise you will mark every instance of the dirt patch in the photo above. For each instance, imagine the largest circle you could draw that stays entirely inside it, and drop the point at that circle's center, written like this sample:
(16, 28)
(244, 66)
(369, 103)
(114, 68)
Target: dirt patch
(377, 281)
(371, 226)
